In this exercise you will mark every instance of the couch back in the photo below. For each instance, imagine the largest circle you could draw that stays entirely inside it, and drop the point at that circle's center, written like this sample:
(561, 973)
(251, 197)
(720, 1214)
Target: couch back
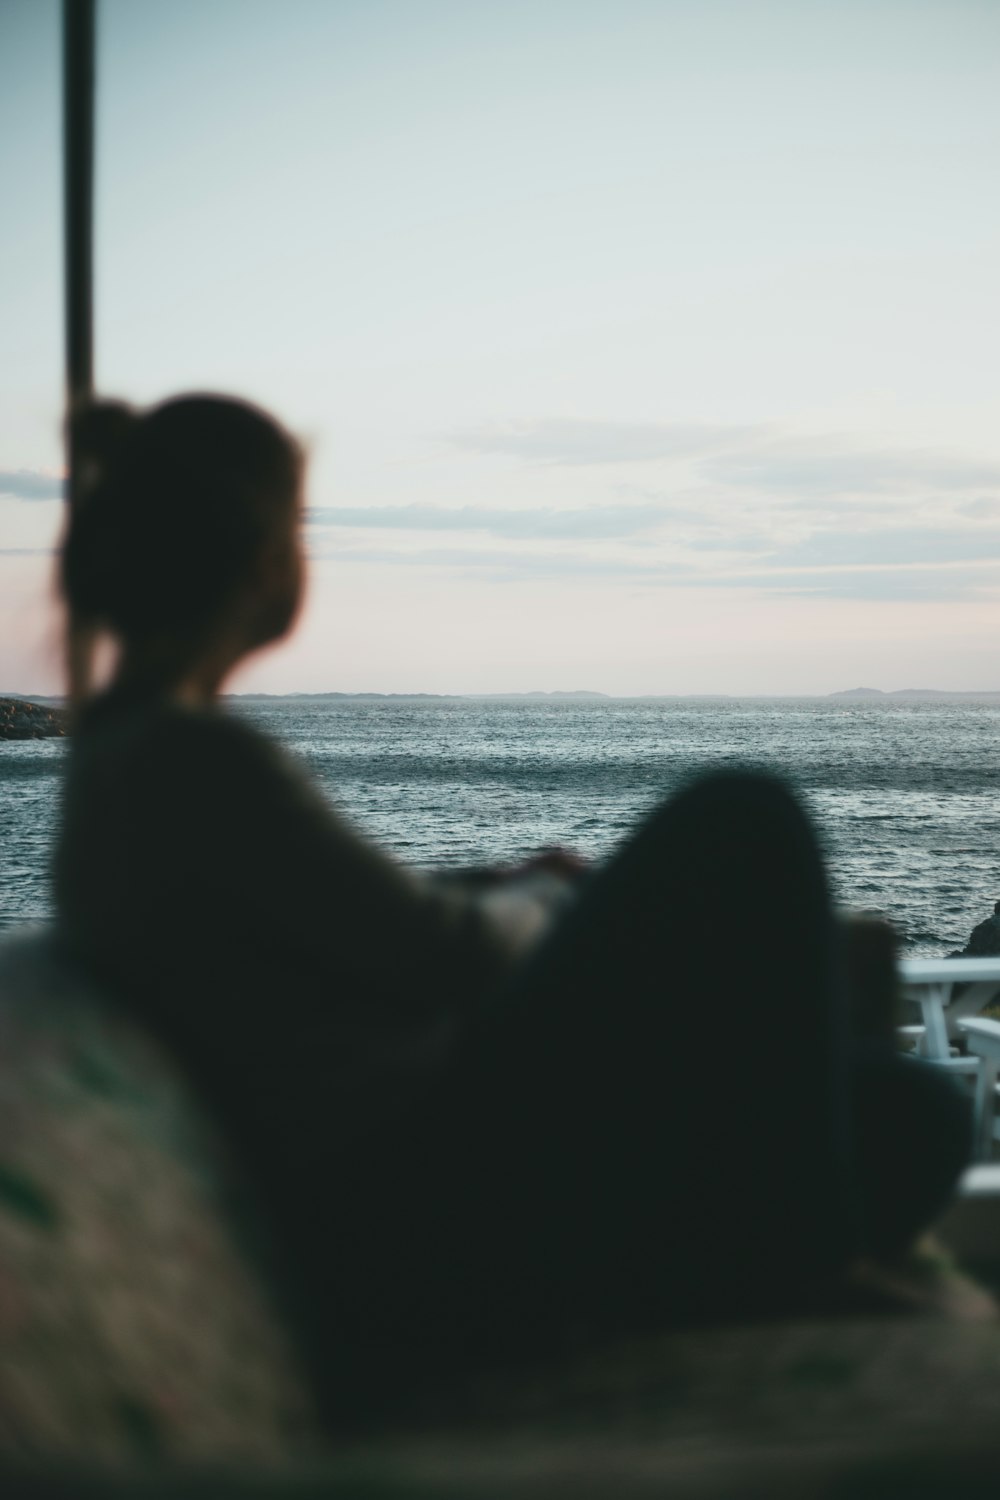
(133, 1322)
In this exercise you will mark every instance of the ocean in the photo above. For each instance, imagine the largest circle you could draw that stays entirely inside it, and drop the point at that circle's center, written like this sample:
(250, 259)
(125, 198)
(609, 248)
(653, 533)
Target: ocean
(904, 794)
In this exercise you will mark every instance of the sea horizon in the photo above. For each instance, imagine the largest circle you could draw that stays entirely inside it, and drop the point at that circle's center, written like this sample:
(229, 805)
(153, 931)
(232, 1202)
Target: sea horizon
(866, 694)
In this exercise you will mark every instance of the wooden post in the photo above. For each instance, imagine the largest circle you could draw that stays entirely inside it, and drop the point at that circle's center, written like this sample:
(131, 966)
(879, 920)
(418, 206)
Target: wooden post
(78, 184)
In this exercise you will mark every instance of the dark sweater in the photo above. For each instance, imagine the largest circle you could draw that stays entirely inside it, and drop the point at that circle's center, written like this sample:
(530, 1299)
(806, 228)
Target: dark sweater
(308, 982)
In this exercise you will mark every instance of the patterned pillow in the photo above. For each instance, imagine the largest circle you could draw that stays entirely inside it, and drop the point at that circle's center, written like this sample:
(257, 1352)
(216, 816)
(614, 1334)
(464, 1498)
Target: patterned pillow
(132, 1321)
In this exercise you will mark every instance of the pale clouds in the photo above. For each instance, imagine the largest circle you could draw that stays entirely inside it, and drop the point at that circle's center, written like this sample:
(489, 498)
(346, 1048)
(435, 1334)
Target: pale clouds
(981, 510)
(700, 506)
(893, 546)
(695, 506)
(577, 442)
(540, 523)
(775, 575)
(808, 467)
(30, 484)
(896, 585)
(754, 456)
(509, 565)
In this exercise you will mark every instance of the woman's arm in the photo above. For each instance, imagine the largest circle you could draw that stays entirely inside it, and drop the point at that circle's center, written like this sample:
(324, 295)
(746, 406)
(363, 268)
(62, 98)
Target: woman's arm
(296, 873)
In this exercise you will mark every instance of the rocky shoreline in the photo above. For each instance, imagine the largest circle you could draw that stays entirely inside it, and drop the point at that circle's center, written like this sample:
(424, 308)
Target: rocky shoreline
(23, 720)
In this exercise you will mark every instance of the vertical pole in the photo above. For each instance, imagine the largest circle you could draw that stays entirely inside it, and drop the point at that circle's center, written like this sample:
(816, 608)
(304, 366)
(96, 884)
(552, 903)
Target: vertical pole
(78, 184)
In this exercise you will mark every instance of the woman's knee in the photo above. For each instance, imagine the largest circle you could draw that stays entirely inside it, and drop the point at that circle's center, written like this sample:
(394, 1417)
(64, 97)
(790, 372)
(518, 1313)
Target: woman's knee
(740, 809)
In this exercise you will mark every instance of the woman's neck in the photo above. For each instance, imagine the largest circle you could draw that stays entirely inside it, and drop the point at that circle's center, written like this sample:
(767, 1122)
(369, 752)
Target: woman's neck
(157, 672)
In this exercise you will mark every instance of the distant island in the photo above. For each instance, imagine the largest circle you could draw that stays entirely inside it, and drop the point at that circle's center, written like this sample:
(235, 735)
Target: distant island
(582, 695)
(22, 719)
(416, 697)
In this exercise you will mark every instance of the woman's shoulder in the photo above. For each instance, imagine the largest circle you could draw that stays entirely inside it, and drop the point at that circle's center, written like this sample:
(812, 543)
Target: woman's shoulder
(166, 774)
(117, 715)
(178, 736)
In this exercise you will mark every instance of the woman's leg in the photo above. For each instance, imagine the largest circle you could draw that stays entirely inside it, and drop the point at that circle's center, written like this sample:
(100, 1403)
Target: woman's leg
(676, 1062)
(648, 1125)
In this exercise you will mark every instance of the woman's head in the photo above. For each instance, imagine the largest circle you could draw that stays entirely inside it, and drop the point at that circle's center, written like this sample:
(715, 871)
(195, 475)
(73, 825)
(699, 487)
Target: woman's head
(183, 536)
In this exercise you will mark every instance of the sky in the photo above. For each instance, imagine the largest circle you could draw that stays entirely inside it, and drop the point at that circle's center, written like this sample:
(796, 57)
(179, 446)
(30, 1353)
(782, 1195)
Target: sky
(641, 346)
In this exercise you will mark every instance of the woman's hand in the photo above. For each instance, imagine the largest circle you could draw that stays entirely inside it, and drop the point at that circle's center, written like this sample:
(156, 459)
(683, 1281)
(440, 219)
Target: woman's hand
(523, 900)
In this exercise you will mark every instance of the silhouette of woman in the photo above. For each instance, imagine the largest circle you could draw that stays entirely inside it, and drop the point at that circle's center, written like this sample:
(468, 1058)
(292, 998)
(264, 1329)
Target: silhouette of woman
(470, 1143)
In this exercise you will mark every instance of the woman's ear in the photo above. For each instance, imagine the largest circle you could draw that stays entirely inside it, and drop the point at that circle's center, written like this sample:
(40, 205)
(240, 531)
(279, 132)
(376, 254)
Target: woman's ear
(274, 594)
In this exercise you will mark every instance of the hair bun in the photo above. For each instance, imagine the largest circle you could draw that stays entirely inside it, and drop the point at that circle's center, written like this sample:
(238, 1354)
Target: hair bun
(100, 432)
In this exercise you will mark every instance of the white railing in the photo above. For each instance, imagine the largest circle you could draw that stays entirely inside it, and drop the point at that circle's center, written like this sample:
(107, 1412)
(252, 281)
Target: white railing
(949, 1018)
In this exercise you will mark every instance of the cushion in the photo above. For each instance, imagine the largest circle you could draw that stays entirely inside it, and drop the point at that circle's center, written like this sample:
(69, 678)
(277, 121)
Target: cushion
(133, 1320)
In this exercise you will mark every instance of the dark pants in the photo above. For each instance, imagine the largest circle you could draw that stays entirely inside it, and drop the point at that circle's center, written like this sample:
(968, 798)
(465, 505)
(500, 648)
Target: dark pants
(661, 1119)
